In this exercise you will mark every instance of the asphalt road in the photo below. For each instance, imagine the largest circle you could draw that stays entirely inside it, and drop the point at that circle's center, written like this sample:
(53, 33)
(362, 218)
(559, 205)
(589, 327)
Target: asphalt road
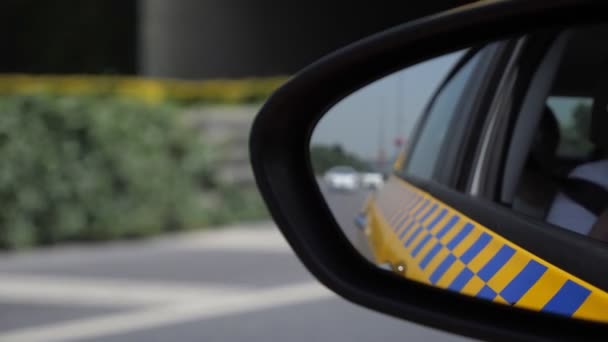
(237, 284)
(346, 205)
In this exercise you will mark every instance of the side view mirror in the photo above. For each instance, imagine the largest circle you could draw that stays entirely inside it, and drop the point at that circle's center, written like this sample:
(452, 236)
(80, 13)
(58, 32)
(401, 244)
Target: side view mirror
(453, 171)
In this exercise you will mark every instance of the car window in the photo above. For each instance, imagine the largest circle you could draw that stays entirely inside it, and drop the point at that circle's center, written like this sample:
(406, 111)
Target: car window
(573, 116)
(434, 131)
(564, 179)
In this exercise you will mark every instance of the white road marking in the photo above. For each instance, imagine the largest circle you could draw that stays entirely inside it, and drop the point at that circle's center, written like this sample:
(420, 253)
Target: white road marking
(212, 307)
(103, 292)
(149, 304)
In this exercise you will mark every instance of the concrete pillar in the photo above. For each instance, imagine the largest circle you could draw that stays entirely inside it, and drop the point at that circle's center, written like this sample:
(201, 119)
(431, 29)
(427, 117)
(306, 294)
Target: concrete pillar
(239, 38)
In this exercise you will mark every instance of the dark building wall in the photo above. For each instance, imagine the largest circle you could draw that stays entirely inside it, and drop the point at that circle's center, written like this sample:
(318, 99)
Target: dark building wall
(188, 38)
(68, 36)
(237, 38)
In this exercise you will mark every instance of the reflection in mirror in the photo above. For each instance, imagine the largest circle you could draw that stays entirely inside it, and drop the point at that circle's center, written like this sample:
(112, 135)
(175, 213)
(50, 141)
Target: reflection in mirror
(447, 123)
(356, 144)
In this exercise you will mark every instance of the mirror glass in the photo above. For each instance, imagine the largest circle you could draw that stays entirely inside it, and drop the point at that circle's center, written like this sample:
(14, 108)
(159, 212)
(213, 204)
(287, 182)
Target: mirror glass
(519, 123)
(356, 144)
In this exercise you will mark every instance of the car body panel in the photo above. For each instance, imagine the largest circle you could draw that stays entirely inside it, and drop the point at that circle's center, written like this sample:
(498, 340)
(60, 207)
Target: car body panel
(427, 241)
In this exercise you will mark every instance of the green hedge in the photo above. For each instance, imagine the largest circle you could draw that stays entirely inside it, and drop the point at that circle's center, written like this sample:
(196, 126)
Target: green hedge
(239, 204)
(86, 168)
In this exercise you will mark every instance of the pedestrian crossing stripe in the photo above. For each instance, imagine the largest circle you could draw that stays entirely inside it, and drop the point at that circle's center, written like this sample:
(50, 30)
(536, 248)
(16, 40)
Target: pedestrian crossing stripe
(442, 247)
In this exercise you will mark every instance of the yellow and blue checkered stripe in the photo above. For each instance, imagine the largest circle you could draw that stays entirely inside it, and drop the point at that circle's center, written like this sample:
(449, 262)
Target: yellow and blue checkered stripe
(442, 247)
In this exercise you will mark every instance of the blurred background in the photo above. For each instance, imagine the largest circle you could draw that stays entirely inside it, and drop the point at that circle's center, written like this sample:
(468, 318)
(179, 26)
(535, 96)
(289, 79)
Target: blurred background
(129, 210)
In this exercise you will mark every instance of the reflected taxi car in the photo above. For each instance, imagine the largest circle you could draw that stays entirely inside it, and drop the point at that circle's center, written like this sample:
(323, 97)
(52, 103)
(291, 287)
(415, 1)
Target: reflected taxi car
(544, 165)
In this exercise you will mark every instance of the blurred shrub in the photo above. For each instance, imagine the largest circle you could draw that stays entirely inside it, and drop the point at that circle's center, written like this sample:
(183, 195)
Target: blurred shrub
(148, 90)
(238, 204)
(88, 168)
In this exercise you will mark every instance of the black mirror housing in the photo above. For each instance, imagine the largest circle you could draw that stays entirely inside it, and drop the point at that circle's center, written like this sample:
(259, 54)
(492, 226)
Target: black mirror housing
(280, 159)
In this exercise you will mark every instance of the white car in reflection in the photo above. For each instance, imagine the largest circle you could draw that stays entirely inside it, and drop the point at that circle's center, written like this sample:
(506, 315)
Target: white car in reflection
(372, 180)
(342, 178)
